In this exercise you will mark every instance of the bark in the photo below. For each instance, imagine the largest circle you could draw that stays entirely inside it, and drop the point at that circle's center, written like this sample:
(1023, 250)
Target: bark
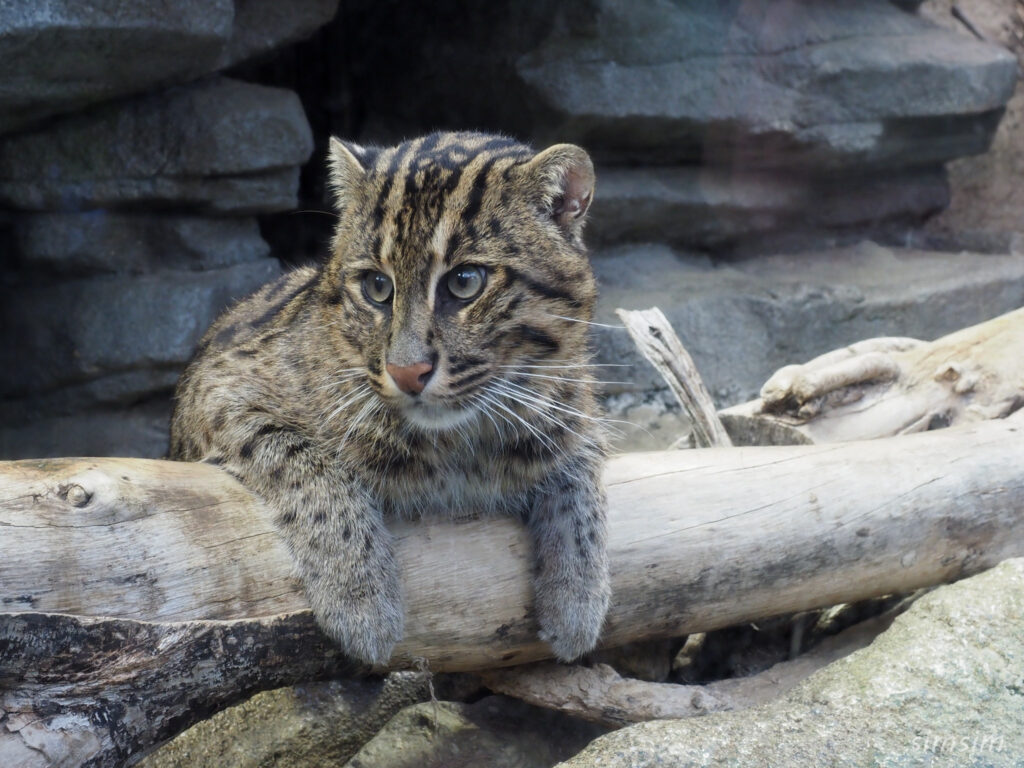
(889, 386)
(698, 540)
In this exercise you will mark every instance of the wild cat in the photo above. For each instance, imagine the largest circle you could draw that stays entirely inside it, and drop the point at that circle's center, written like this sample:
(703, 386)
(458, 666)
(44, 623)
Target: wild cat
(432, 365)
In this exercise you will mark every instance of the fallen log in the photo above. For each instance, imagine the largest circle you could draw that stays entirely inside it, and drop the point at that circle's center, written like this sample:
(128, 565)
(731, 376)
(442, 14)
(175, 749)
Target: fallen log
(889, 386)
(698, 540)
(601, 695)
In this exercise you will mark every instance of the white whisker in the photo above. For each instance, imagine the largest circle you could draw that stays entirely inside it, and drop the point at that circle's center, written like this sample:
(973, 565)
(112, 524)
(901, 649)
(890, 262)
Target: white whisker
(530, 427)
(588, 322)
(564, 378)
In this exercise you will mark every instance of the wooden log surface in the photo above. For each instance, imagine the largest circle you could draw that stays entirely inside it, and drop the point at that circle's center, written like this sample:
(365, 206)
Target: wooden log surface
(889, 386)
(698, 540)
(183, 563)
(601, 695)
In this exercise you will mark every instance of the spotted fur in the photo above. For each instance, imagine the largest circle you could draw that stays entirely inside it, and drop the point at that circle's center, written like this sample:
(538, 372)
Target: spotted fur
(290, 390)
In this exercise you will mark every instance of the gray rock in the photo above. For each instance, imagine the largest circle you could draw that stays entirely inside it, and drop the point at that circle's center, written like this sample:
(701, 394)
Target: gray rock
(220, 145)
(57, 56)
(140, 431)
(944, 686)
(263, 25)
(60, 56)
(101, 241)
(304, 725)
(742, 320)
(72, 332)
(772, 84)
(496, 732)
(713, 207)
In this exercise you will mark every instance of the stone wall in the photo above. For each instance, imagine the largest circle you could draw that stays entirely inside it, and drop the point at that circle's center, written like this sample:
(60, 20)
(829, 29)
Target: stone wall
(152, 155)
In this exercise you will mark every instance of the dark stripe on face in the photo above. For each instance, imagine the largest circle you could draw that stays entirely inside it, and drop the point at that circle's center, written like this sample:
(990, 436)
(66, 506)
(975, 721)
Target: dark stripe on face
(457, 386)
(528, 334)
(512, 306)
(385, 191)
(453, 245)
(544, 289)
(477, 190)
(457, 365)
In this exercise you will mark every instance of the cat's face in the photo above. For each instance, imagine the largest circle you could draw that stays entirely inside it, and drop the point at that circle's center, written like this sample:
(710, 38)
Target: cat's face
(458, 273)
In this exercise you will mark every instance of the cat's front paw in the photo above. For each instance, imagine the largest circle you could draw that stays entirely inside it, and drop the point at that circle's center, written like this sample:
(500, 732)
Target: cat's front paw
(366, 622)
(571, 617)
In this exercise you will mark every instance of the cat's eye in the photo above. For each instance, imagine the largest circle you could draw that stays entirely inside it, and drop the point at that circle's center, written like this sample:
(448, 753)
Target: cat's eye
(378, 287)
(466, 282)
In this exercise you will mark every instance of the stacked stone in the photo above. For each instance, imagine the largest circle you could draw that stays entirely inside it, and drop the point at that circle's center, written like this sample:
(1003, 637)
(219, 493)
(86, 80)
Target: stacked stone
(131, 223)
(719, 121)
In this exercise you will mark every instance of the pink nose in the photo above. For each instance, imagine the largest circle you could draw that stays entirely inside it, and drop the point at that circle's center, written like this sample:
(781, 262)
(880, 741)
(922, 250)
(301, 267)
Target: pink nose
(411, 379)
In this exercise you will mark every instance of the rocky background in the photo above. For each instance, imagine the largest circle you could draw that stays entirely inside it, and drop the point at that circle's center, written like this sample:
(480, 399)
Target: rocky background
(158, 161)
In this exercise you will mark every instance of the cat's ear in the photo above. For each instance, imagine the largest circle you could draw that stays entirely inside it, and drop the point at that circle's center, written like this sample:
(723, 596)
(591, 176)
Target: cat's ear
(347, 163)
(564, 178)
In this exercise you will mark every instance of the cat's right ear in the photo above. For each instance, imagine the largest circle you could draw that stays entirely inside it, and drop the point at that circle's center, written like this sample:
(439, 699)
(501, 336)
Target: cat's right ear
(347, 163)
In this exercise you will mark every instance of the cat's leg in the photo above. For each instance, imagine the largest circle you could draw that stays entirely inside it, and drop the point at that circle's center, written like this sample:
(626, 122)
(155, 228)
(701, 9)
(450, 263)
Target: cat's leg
(340, 547)
(571, 588)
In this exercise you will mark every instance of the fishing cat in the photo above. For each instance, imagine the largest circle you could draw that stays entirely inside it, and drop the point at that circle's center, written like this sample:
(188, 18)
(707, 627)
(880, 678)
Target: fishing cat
(434, 364)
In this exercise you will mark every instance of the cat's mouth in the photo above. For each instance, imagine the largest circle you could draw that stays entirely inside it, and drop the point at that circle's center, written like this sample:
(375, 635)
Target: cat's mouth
(435, 417)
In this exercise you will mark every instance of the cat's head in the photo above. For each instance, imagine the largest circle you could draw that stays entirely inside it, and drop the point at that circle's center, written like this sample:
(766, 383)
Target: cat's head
(458, 274)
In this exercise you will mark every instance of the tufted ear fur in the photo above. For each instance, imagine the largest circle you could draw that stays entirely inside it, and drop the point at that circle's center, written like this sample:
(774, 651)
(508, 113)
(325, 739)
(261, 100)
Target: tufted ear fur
(347, 163)
(563, 178)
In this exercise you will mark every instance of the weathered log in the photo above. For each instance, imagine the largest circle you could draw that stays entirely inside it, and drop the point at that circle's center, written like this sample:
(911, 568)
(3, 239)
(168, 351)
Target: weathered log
(658, 343)
(601, 695)
(698, 540)
(889, 386)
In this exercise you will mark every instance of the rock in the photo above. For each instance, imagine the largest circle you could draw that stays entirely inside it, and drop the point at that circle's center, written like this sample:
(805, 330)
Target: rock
(99, 241)
(59, 56)
(741, 320)
(71, 332)
(263, 25)
(304, 725)
(943, 686)
(758, 84)
(219, 146)
(987, 205)
(713, 208)
(139, 430)
(767, 84)
(496, 732)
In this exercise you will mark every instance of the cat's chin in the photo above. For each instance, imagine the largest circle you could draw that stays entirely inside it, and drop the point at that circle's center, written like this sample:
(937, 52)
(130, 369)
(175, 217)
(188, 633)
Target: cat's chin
(432, 417)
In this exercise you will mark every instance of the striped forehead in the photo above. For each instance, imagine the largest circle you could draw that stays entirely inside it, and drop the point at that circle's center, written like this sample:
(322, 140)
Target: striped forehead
(428, 189)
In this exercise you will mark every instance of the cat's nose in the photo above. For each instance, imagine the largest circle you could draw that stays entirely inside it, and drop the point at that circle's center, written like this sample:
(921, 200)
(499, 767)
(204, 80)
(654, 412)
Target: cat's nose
(411, 379)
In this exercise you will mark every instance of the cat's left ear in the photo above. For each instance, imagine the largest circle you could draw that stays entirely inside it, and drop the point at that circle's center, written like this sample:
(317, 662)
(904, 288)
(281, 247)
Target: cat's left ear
(347, 163)
(564, 176)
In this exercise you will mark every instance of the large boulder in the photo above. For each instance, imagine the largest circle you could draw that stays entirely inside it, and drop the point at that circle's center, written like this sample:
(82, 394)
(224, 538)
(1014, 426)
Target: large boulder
(943, 686)
(712, 121)
(741, 84)
(303, 725)
(58, 56)
(140, 431)
(134, 328)
(97, 242)
(715, 208)
(496, 731)
(768, 84)
(987, 208)
(219, 146)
